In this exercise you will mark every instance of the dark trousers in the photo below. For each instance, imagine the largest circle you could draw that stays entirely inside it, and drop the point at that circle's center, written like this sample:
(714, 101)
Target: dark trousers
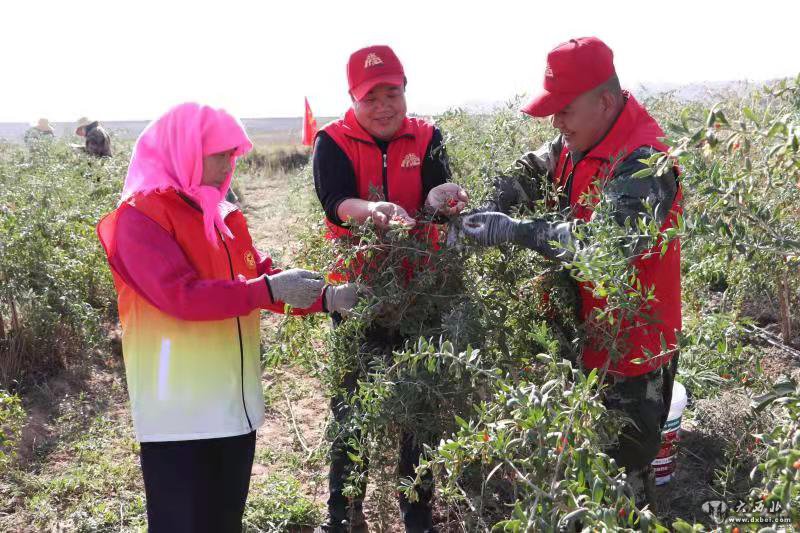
(197, 486)
(416, 515)
(645, 400)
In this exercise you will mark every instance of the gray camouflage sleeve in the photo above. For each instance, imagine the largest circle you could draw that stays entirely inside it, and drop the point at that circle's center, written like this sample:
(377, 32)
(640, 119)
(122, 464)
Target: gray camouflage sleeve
(523, 183)
(631, 198)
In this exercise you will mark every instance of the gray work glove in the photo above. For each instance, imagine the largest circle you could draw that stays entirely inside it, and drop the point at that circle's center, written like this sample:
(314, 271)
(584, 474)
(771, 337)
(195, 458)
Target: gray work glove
(296, 287)
(492, 229)
(489, 229)
(341, 298)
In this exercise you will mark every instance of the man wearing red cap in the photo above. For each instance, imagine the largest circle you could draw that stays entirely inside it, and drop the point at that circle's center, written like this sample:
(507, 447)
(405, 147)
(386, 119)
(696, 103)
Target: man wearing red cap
(376, 163)
(604, 135)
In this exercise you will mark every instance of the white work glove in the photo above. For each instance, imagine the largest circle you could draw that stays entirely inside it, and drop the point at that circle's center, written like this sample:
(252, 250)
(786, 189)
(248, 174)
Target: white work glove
(447, 199)
(341, 298)
(296, 287)
(385, 214)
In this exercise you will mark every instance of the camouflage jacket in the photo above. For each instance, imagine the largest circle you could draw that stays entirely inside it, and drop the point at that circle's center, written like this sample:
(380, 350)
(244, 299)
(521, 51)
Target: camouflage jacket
(98, 142)
(530, 180)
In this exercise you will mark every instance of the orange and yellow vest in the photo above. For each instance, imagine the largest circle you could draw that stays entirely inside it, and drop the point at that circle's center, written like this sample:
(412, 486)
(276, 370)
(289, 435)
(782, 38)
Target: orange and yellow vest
(189, 379)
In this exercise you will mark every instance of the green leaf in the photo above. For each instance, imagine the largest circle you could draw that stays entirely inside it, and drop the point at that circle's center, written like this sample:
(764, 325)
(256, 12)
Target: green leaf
(461, 422)
(574, 516)
(758, 403)
(680, 526)
(355, 458)
(777, 128)
(598, 488)
(710, 118)
(750, 115)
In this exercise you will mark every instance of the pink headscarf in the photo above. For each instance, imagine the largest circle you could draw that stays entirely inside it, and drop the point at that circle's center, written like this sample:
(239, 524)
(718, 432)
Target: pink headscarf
(169, 155)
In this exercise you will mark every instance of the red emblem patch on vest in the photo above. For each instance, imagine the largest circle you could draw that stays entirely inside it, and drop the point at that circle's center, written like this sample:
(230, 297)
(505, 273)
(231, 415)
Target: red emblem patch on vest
(410, 160)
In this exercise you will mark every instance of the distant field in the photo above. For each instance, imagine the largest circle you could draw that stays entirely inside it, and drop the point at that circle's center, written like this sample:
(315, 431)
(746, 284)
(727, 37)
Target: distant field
(288, 130)
(262, 130)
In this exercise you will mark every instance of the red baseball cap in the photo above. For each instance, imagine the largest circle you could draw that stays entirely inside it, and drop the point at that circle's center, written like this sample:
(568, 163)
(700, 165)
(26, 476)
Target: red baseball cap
(372, 66)
(573, 68)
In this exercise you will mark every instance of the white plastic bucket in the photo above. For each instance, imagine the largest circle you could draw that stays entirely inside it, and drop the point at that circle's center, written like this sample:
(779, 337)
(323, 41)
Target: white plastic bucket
(664, 463)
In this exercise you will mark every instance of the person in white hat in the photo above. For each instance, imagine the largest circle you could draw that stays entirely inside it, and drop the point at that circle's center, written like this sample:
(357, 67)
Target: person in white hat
(80, 128)
(98, 141)
(40, 131)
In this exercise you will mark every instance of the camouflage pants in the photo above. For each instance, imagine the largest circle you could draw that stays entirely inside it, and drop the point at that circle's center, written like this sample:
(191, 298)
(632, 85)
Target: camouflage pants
(416, 516)
(644, 401)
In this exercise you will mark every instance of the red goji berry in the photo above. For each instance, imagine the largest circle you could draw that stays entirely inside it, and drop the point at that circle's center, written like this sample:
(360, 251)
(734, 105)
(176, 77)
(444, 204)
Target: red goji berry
(561, 445)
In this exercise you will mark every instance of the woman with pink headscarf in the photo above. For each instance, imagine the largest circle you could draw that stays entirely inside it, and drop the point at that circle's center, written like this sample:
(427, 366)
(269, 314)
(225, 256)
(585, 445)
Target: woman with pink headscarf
(190, 289)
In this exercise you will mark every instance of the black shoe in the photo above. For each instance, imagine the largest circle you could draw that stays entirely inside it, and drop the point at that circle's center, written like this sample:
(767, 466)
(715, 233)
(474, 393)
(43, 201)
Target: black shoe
(355, 522)
(417, 517)
(643, 483)
(344, 527)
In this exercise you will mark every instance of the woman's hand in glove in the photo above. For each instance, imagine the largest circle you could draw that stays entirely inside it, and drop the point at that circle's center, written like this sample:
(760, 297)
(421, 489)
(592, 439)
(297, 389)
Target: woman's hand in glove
(296, 287)
(342, 298)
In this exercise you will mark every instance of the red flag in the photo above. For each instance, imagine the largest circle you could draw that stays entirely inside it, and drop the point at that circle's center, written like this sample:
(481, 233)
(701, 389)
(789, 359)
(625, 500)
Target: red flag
(309, 126)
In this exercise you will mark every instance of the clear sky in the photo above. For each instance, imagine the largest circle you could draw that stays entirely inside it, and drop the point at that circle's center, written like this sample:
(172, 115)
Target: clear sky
(121, 59)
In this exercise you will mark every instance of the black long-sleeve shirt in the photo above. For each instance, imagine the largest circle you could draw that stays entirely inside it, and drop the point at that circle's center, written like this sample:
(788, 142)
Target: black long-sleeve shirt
(335, 178)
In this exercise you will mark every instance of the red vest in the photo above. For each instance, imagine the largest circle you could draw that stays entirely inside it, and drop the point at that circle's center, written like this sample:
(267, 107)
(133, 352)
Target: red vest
(633, 129)
(396, 179)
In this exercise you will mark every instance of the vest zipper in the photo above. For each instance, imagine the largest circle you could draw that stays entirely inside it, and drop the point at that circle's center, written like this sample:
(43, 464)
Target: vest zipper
(239, 330)
(566, 198)
(569, 187)
(385, 180)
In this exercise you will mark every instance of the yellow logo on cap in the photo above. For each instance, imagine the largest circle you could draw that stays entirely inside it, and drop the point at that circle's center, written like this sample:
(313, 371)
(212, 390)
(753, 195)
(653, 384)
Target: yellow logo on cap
(372, 60)
(250, 260)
